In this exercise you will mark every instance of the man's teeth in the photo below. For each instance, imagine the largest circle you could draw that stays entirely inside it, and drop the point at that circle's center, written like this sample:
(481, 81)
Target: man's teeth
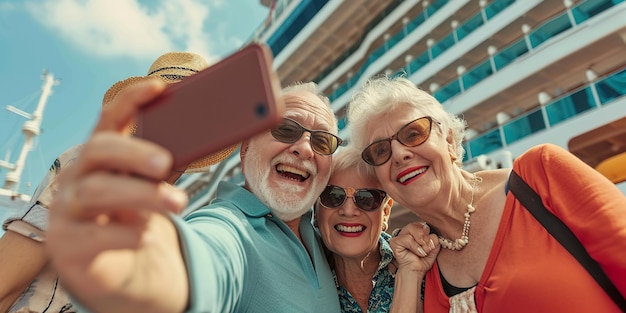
(349, 229)
(293, 170)
(412, 174)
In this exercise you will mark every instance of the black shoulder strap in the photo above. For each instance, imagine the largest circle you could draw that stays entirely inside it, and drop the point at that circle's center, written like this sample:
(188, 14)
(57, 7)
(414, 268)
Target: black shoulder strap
(531, 200)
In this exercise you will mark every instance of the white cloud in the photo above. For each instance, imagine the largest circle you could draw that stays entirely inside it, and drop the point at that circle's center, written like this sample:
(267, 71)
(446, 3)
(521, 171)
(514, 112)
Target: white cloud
(128, 28)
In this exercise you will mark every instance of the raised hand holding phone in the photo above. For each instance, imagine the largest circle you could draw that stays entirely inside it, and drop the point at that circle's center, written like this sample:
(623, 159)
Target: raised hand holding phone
(105, 224)
(213, 109)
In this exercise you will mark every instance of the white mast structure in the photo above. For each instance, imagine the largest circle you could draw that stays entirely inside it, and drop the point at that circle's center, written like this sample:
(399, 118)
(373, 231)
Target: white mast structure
(31, 129)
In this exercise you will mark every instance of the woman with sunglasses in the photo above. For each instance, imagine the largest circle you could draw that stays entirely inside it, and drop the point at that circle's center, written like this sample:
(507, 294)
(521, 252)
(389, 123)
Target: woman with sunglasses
(496, 256)
(352, 215)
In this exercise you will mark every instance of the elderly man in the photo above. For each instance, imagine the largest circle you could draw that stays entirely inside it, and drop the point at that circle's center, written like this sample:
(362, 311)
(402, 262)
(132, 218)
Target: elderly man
(118, 248)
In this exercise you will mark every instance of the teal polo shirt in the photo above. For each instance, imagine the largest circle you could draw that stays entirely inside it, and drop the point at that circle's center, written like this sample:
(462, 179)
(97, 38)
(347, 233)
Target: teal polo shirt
(241, 258)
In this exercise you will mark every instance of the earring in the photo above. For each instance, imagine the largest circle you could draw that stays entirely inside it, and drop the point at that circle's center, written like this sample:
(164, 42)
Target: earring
(385, 226)
(452, 157)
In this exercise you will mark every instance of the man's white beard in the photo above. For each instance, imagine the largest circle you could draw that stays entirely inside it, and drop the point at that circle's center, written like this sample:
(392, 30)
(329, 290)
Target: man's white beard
(284, 201)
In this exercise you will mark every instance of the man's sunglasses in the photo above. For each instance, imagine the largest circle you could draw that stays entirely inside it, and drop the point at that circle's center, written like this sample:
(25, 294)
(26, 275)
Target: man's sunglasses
(365, 199)
(412, 134)
(322, 142)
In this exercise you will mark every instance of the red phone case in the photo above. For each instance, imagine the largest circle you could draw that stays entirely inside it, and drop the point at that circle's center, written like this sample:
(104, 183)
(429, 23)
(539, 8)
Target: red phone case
(218, 107)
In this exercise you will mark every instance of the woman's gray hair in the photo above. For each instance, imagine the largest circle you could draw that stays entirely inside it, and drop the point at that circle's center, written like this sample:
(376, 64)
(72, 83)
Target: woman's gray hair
(349, 158)
(381, 94)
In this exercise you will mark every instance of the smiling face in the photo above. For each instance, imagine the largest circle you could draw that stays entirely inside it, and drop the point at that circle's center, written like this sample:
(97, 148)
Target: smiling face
(348, 231)
(289, 177)
(413, 176)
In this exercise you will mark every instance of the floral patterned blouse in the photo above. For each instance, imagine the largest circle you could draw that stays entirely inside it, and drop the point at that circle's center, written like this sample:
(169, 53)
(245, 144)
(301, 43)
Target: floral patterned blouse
(382, 292)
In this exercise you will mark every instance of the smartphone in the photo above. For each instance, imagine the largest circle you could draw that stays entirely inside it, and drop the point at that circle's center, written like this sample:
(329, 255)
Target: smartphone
(230, 101)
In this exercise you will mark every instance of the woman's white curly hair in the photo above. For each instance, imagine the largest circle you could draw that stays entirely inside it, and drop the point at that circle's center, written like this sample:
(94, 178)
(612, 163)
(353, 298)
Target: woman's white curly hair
(382, 93)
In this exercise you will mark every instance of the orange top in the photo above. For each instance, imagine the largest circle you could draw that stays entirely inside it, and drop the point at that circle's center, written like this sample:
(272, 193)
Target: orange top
(527, 269)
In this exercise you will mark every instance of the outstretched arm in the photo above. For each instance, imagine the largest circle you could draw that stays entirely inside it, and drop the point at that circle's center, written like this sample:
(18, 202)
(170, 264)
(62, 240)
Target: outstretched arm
(415, 251)
(109, 235)
(21, 259)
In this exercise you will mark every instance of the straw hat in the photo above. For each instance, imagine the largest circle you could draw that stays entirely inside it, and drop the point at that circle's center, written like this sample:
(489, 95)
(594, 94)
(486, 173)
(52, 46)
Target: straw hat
(171, 68)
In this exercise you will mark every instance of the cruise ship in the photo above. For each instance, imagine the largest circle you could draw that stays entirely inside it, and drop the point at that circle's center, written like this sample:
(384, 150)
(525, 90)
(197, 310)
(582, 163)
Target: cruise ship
(520, 72)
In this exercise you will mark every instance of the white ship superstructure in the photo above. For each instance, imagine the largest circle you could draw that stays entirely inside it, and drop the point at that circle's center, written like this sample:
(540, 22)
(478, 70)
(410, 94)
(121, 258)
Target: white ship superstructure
(520, 72)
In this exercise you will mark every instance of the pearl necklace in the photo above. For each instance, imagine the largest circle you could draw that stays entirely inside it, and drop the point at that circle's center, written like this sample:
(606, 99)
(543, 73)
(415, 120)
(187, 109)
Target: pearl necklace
(464, 240)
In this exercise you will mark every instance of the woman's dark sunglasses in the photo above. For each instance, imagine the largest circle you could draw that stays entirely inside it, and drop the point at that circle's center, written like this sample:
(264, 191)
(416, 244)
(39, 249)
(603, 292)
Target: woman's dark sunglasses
(412, 134)
(322, 142)
(365, 199)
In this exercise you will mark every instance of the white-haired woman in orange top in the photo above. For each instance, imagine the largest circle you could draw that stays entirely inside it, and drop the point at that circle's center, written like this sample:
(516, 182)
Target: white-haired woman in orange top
(496, 256)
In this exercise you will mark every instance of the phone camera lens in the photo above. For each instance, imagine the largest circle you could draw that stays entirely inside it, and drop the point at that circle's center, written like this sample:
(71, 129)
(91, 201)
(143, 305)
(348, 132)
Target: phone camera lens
(261, 110)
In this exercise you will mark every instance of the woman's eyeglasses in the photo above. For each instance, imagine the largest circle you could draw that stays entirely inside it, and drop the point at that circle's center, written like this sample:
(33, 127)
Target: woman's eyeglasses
(412, 134)
(322, 142)
(365, 199)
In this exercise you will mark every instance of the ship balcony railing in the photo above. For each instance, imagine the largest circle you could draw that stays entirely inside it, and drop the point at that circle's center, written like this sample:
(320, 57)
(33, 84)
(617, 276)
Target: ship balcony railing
(438, 48)
(499, 60)
(225, 170)
(478, 20)
(359, 44)
(588, 9)
(549, 29)
(535, 38)
(575, 15)
(386, 46)
(590, 97)
(273, 16)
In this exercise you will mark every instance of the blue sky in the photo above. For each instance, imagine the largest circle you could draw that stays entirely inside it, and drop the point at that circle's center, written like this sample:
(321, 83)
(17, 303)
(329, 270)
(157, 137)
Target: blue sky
(89, 45)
